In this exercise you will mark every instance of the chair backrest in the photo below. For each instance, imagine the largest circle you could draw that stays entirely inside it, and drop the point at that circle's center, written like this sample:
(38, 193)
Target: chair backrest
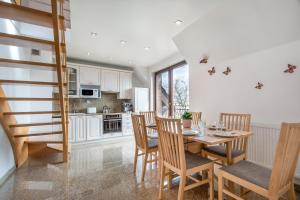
(286, 157)
(171, 142)
(149, 117)
(240, 122)
(235, 121)
(139, 129)
(196, 117)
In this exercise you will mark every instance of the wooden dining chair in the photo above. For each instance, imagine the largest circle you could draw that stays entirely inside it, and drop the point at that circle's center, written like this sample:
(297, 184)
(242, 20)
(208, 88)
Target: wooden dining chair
(150, 120)
(231, 121)
(196, 117)
(191, 146)
(148, 147)
(174, 158)
(271, 184)
(149, 117)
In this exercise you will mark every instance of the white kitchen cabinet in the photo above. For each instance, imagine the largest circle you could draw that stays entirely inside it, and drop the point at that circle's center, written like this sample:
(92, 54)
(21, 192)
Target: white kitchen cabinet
(89, 75)
(73, 73)
(127, 124)
(125, 85)
(72, 129)
(94, 126)
(80, 132)
(110, 80)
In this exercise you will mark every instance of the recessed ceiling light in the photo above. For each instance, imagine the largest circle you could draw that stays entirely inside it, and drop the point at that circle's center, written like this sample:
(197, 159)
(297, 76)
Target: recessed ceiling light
(147, 48)
(94, 34)
(88, 53)
(178, 22)
(123, 42)
(130, 61)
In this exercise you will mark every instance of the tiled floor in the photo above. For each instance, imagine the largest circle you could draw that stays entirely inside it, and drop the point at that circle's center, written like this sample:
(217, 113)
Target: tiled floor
(98, 171)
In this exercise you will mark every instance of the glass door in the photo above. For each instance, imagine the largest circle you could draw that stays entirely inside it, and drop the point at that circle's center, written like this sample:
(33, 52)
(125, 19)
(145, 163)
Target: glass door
(172, 90)
(163, 93)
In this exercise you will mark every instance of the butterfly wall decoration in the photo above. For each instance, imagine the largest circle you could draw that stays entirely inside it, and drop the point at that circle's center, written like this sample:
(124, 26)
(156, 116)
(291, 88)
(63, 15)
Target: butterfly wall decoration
(212, 71)
(228, 70)
(259, 85)
(290, 69)
(204, 60)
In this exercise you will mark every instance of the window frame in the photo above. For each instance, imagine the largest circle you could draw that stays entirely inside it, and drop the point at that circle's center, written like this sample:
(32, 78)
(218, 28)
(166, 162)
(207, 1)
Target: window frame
(170, 82)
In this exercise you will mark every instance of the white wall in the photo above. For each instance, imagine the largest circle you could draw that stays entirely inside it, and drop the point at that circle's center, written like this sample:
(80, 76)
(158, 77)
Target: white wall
(278, 100)
(7, 162)
(257, 39)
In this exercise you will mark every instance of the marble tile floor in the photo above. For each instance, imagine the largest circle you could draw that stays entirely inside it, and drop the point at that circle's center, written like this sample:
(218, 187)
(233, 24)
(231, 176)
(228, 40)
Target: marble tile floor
(102, 171)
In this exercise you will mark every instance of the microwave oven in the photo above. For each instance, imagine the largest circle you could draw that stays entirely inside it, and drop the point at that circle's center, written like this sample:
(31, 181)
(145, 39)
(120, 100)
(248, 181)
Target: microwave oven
(89, 93)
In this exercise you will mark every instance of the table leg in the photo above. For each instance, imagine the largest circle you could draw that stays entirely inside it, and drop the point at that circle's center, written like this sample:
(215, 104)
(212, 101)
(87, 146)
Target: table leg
(204, 172)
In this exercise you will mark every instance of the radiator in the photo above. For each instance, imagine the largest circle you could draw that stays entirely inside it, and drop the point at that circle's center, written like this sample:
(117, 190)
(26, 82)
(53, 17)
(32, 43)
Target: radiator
(262, 145)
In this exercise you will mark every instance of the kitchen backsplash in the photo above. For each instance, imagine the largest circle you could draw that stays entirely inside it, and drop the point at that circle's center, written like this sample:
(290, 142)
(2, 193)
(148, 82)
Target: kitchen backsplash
(107, 99)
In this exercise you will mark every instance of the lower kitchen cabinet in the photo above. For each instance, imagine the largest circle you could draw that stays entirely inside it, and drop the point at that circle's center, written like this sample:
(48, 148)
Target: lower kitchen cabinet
(94, 124)
(85, 127)
(127, 124)
(72, 128)
(80, 132)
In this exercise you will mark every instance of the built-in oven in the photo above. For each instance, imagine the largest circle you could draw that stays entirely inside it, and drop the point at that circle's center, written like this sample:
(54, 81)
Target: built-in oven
(89, 91)
(112, 123)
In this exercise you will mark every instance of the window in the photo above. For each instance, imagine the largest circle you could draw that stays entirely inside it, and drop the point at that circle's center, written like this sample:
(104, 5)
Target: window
(172, 90)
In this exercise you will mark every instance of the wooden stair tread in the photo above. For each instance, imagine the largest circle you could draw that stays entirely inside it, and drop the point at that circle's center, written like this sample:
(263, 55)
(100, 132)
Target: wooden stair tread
(32, 113)
(38, 134)
(28, 15)
(27, 99)
(55, 84)
(28, 42)
(42, 142)
(25, 62)
(34, 124)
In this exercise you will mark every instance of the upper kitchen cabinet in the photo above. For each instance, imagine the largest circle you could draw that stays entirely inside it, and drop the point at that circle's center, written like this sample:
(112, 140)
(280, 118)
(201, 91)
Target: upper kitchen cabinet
(73, 73)
(125, 85)
(89, 76)
(110, 80)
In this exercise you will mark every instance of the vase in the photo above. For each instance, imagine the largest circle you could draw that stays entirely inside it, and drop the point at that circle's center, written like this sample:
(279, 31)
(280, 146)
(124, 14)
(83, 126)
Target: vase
(186, 123)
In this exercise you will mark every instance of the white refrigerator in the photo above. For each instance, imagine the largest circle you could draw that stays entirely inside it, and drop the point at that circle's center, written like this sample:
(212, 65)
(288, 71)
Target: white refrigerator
(141, 99)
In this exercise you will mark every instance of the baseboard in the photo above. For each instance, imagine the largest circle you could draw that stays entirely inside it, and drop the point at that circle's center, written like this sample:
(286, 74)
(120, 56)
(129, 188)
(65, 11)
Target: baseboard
(8, 173)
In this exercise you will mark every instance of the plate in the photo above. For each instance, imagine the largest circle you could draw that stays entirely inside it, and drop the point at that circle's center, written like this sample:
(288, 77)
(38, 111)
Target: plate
(214, 128)
(190, 133)
(225, 134)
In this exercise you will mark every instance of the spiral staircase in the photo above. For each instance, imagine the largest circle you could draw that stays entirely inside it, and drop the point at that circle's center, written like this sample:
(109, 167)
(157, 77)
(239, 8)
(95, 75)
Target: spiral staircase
(18, 133)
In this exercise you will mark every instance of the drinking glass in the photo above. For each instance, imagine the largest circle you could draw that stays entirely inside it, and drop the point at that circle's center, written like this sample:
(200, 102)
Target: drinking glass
(202, 128)
(222, 126)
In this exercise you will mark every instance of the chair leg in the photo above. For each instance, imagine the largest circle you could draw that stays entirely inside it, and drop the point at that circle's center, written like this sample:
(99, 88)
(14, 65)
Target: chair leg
(211, 183)
(161, 183)
(181, 187)
(291, 193)
(220, 187)
(144, 166)
(135, 159)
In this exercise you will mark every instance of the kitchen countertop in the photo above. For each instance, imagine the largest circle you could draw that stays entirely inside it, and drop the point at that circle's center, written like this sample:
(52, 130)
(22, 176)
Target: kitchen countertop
(89, 114)
(72, 114)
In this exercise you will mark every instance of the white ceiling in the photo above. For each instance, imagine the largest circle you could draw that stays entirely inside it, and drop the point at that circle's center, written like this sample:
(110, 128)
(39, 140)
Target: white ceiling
(142, 23)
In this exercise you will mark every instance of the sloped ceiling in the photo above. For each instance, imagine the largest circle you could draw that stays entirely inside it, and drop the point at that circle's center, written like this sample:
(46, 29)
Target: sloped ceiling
(239, 28)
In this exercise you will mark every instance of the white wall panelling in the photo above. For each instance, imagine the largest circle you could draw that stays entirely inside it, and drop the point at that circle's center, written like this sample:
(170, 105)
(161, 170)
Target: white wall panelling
(262, 145)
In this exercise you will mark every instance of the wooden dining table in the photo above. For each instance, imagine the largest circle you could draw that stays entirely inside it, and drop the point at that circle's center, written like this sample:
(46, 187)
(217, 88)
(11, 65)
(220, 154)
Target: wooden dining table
(209, 138)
